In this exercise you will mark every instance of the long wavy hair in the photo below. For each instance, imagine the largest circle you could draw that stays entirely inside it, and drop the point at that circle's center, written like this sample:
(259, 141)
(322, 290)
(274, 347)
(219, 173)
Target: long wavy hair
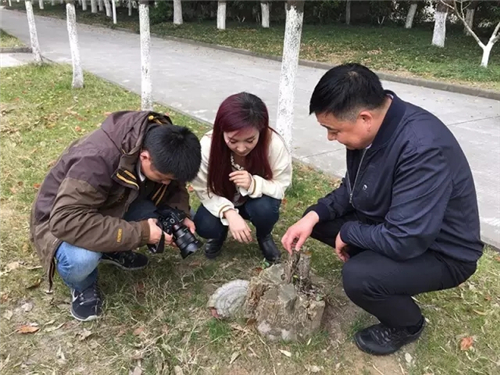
(238, 112)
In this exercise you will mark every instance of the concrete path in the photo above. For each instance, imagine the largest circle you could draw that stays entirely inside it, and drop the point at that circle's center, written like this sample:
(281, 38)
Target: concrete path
(196, 79)
(15, 59)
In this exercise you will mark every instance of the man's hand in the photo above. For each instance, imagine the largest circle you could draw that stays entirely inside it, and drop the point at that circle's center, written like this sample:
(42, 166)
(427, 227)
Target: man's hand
(341, 248)
(241, 179)
(190, 224)
(299, 232)
(238, 227)
(155, 233)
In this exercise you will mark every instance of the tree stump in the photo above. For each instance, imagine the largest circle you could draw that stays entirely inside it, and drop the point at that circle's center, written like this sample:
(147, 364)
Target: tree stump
(283, 301)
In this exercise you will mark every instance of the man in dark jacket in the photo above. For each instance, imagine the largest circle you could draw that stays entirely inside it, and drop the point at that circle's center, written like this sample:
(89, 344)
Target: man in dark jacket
(101, 199)
(405, 218)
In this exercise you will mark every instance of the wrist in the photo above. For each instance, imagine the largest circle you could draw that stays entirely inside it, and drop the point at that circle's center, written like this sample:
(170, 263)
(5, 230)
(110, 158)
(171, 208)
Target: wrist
(312, 218)
(230, 214)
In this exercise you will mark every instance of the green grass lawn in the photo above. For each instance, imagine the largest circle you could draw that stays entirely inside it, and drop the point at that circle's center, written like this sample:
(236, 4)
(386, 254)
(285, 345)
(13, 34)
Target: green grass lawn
(156, 320)
(7, 40)
(389, 48)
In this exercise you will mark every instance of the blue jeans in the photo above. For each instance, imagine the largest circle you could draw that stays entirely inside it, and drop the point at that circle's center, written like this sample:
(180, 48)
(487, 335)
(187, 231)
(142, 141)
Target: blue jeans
(78, 266)
(262, 212)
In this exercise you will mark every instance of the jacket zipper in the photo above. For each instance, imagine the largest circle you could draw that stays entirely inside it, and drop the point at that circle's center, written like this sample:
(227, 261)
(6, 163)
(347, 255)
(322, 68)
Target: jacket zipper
(355, 177)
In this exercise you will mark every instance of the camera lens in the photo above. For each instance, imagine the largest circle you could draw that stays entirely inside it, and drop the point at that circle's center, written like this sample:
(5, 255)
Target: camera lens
(186, 241)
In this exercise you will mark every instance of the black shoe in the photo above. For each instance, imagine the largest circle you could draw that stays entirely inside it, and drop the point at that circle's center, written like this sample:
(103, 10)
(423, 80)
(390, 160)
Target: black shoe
(127, 260)
(269, 249)
(86, 305)
(213, 246)
(381, 340)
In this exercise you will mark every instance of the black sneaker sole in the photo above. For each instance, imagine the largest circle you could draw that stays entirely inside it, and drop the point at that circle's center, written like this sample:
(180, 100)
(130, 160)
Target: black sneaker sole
(81, 319)
(414, 338)
(116, 264)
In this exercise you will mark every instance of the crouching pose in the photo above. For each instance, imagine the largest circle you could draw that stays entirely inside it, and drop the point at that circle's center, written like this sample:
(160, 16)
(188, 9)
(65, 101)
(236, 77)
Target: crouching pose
(244, 173)
(101, 200)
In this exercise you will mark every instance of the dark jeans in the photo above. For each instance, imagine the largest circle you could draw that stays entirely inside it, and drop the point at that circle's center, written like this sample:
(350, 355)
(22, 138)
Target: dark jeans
(383, 287)
(262, 212)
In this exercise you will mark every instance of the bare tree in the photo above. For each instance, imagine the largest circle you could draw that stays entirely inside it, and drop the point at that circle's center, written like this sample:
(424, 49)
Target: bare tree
(289, 65)
(459, 12)
(130, 8)
(93, 6)
(221, 15)
(73, 44)
(107, 5)
(146, 86)
(264, 7)
(177, 12)
(35, 46)
(440, 15)
(469, 15)
(348, 12)
(40, 4)
(411, 15)
(84, 4)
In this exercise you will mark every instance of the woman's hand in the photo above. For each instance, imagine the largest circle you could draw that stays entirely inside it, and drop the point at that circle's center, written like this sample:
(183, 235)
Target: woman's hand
(241, 179)
(238, 227)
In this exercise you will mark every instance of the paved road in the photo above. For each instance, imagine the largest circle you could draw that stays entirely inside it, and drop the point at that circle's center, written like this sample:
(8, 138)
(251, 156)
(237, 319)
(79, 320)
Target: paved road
(196, 79)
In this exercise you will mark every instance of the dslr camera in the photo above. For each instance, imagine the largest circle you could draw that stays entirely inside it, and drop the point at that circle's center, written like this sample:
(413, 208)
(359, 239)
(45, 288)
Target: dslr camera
(171, 222)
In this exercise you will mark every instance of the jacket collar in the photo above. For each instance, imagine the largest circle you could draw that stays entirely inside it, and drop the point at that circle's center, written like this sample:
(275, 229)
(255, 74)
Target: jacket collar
(391, 121)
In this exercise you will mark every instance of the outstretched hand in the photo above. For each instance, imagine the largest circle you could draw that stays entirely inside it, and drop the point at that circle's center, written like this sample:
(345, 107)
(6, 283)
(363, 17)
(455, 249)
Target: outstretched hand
(298, 233)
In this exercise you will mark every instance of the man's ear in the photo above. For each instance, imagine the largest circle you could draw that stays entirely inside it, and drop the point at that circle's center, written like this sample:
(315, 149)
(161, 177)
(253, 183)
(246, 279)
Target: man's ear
(144, 155)
(367, 117)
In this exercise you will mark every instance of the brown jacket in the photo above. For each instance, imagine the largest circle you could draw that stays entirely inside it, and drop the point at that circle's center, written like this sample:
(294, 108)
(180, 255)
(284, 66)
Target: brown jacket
(85, 195)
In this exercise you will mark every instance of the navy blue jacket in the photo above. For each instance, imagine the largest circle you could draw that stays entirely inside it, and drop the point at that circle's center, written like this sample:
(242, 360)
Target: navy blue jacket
(413, 188)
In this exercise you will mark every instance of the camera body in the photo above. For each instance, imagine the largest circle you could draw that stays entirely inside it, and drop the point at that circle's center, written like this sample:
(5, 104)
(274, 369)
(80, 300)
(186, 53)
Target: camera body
(171, 222)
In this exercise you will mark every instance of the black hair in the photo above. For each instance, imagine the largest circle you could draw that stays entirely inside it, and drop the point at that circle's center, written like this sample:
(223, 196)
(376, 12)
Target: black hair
(347, 88)
(174, 150)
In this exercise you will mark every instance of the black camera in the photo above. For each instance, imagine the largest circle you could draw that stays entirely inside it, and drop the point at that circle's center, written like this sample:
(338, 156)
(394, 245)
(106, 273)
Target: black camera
(170, 221)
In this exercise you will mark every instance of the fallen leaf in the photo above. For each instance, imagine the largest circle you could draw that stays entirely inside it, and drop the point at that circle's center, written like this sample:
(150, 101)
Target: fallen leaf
(78, 129)
(195, 263)
(27, 329)
(84, 334)
(13, 190)
(234, 356)
(315, 369)
(107, 114)
(466, 343)
(36, 284)
(12, 266)
(27, 307)
(53, 328)
(287, 353)
(7, 315)
(190, 188)
(408, 357)
(497, 258)
(138, 331)
(178, 370)
(137, 355)
(137, 371)
(37, 186)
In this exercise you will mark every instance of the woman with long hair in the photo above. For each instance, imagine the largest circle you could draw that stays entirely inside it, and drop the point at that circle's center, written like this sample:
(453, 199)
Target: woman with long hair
(244, 173)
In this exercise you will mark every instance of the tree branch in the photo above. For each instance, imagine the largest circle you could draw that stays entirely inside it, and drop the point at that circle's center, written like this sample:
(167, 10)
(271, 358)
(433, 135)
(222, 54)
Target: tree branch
(461, 16)
(495, 36)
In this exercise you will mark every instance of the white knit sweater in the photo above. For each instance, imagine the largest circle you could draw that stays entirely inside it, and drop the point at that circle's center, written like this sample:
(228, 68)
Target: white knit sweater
(280, 161)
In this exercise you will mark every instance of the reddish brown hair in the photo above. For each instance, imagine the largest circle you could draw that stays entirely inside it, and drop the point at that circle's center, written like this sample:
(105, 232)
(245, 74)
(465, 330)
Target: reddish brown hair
(238, 112)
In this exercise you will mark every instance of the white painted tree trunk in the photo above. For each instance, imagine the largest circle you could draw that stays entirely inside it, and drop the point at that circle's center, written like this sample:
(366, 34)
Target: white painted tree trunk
(53, 3)
(177, 12)
(40, 4)
(93, 6)
(439, 34)
(84, 4)
(469, 19)
(348, 12)
(289, 65)
(411, 16)
(221, 15)
(113, 7)
(130, 8)
(100, 5)
(10, 3)
(486, 55)
(146, 86)
(35, 46)
(73, 45)
(107, 5)
(264, 7)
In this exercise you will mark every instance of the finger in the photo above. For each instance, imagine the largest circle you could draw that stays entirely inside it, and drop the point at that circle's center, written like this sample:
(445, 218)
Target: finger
(287, 242)
(247, 236)
(300, 241)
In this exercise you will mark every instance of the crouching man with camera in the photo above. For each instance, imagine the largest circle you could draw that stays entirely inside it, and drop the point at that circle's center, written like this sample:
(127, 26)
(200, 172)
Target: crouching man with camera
(104, 196)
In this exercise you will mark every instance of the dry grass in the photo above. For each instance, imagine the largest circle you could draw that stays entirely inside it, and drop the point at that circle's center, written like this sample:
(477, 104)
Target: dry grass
(156, 320)
(7, 40)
